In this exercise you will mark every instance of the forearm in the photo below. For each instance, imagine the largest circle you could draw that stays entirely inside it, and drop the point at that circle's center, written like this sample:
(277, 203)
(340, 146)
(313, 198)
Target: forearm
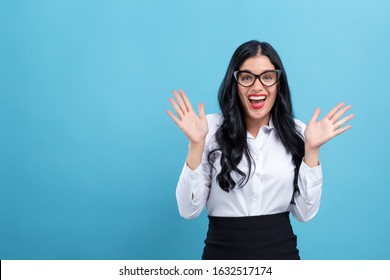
(194, 156)
(311, 156)
(307, 199)
(192, 190)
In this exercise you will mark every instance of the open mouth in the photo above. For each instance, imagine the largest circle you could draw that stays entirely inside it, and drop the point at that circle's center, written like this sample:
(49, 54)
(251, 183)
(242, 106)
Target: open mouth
(257, 101)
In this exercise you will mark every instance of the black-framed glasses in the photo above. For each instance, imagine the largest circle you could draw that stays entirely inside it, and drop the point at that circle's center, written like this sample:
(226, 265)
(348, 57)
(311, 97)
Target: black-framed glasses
(247, 78)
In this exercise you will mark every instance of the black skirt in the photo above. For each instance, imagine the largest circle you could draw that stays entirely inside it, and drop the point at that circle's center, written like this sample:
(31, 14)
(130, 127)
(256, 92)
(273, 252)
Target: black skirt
(266, 237)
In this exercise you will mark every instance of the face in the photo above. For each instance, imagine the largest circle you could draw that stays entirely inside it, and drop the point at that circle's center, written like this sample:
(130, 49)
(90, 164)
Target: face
(257, 100)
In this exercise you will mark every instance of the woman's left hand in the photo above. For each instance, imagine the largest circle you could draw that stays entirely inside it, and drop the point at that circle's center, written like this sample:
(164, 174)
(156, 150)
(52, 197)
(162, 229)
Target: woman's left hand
(318, 133)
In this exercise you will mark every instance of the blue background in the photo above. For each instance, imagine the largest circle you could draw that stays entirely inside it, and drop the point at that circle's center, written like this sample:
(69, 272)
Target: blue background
(89, 160)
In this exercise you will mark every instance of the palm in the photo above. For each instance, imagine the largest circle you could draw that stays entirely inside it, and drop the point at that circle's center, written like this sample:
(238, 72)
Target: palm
(193, 126)
(318, 133)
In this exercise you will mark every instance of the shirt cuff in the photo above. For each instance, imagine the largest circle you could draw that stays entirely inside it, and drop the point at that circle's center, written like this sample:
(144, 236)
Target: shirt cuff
(190, 182)
(192, 174)
(312, 173)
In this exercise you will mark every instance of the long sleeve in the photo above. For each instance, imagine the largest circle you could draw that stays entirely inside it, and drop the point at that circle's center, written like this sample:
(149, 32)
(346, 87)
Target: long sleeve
(307, 200)
(192, 191)
(193, 187)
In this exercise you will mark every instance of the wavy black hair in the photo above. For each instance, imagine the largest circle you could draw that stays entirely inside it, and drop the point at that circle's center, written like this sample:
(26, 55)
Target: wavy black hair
(231, 136)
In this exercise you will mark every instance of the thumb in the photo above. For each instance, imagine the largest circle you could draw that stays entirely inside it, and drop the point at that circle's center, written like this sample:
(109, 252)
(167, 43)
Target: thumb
(315, 115)
(201, 110)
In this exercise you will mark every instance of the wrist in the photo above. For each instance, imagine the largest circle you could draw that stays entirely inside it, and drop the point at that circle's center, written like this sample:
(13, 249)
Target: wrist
(197, 145)
(311, 150)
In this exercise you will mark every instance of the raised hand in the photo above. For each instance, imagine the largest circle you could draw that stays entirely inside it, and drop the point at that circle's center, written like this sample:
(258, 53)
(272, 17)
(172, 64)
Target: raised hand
(193, 126)
(318, 133)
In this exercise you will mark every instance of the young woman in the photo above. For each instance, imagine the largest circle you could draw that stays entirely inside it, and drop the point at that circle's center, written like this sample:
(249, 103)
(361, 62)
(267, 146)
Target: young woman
(252, 164)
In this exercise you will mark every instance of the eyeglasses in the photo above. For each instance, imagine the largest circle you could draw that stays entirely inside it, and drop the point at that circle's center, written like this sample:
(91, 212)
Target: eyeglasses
(247, 79)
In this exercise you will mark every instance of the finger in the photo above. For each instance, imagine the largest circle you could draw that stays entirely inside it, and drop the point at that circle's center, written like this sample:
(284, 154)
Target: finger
(340, 113)
(178, 111)
(341, 130)
(315, 115)
(180, 102)
(334, 110)
(343, 121)
(201, 110)
(186, 100)
(173, 117)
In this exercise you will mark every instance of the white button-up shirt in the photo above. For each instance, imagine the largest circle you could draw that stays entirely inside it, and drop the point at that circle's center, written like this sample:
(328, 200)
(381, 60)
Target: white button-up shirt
(269, 190)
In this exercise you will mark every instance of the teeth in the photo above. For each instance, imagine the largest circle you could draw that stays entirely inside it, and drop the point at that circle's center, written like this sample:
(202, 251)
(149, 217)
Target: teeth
(257, 97)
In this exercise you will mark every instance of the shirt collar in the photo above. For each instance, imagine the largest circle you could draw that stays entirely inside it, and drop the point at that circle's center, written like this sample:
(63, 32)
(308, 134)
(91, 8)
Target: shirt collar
(268, 127)
(265, 128)
(271, 124)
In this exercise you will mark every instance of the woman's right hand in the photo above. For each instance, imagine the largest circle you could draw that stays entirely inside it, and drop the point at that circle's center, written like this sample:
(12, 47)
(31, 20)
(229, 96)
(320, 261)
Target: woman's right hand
(193, 126)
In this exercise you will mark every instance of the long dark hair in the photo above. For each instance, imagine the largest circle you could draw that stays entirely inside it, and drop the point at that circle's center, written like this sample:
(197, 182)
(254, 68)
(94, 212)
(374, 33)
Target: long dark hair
(232, 134)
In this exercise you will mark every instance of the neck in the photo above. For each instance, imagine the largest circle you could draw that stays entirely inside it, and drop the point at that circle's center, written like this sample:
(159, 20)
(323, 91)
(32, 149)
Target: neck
(253, 125)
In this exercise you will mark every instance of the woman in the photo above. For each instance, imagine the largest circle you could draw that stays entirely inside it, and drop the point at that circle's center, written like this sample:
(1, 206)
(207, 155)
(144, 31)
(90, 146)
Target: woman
(252, 164)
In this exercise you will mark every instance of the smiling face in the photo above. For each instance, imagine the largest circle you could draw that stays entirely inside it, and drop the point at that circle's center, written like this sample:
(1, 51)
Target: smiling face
(257, 100)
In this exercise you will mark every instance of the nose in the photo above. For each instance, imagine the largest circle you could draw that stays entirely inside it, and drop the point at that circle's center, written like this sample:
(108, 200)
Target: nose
(257, 85)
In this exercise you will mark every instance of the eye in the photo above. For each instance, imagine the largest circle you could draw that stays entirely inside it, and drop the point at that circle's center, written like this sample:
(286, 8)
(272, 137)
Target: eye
(245, 77)
(268, 76)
